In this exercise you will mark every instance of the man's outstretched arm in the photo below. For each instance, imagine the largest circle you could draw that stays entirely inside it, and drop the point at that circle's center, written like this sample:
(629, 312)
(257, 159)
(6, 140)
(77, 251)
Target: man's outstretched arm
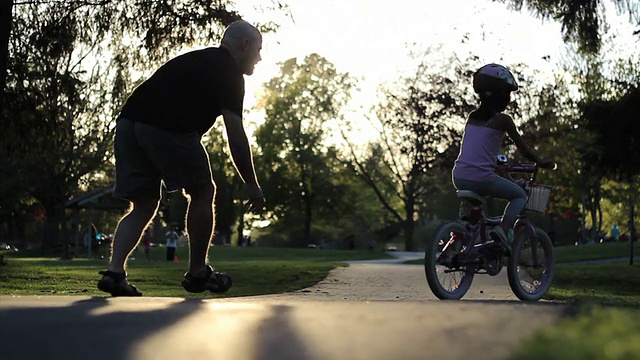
(242, 158)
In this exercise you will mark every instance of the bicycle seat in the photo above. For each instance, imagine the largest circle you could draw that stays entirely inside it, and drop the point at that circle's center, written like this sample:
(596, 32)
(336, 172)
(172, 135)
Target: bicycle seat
(470, 196)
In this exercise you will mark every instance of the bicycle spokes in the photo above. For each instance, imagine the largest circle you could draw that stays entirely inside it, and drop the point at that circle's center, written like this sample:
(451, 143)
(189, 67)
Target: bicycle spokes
(532, 266)
(446, 271)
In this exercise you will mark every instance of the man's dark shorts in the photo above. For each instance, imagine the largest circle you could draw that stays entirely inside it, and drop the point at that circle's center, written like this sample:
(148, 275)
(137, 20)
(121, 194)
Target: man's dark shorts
(147, 156)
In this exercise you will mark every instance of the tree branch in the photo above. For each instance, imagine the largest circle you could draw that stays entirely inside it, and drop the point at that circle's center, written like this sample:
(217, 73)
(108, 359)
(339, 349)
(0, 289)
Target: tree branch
(362, 173)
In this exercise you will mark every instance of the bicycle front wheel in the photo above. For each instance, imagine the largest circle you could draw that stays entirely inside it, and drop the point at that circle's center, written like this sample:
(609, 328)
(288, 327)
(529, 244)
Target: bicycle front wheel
(532, 265)
(448, 276)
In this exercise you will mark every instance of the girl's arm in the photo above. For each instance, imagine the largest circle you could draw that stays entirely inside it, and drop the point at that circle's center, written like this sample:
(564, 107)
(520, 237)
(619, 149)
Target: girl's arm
(506, 123)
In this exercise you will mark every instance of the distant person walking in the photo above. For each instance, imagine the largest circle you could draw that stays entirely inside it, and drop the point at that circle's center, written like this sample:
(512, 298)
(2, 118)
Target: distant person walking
(615, 232)
(146, 244)
(172, 243)
(158, 143)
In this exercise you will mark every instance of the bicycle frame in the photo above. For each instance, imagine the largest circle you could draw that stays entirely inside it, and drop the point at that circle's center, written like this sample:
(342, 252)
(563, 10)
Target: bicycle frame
(479, 227)
(465, 247)
(522, 220)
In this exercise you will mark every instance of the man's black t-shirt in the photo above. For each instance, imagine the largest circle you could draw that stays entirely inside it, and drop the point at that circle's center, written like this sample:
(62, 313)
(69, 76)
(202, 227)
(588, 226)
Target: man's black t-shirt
(188, 92)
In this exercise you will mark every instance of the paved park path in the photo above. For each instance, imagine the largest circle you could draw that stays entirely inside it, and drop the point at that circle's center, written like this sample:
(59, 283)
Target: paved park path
(369, 310)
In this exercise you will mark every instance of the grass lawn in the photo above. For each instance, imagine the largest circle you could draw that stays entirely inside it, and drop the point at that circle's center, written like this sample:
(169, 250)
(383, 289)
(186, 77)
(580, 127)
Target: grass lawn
(607, 284)
(595, 252)
(595, 333)
(255, 271)
(606, 322)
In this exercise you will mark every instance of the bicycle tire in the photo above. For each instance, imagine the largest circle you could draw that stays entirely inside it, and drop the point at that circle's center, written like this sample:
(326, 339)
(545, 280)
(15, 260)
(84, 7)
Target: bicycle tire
(460, 286)
(527, 282)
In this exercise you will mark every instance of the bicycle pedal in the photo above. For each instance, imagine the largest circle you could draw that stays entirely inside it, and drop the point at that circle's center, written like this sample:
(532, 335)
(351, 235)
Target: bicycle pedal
(486, 243)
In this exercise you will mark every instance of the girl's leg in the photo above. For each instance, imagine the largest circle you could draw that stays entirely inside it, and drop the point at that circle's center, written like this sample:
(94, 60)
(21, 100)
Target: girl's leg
(505, 189)
(501, 188)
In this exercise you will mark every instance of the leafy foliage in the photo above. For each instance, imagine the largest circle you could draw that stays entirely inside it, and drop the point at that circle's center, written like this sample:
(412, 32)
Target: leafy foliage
(583, 21)
(610, 152)
(420, 118)
(69, 72)
(608, 98)
(547, 115)
(616, 148)
(297, 167)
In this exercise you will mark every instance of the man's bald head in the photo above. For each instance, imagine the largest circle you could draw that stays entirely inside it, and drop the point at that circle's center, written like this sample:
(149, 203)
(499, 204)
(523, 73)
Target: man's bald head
(244, 42)
(239, 30)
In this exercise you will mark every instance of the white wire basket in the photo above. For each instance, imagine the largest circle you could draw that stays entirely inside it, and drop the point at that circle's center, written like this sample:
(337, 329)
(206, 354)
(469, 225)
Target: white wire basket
(538, 198)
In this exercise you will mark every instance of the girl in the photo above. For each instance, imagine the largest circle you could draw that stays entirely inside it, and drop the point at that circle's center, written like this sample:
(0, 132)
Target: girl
(475, 168)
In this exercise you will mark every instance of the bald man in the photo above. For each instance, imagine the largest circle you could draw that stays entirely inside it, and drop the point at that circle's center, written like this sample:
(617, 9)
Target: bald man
(158, 143)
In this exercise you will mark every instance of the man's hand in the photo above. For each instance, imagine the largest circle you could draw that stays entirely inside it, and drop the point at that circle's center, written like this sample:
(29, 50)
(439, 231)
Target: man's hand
(256, 201)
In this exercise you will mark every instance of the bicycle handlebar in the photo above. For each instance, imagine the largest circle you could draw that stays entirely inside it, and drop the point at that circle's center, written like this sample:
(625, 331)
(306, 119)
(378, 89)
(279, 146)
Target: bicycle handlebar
(521, 168)
(509, 169)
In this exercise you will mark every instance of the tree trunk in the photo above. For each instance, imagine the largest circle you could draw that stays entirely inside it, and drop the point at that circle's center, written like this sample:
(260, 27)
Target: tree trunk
(593, 212)
(583, 218)
(75, 231)
(632, 231)
(20, 231)
(308, 213)
(51, 236)
(409, 224)
(408, 227)
(240, 228)
(598, 210)
(66, 239)
(6, 17)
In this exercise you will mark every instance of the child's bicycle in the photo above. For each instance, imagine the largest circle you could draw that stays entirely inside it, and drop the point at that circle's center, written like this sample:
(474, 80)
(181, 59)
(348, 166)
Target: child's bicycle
(462, 249)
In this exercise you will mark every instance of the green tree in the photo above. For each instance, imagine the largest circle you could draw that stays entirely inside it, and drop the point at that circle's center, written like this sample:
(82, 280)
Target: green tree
(607, 110)
(295, 165)
(615, 149)
(357, 213)
(420, 118)
(6, 12)
(583, 21)
(69, 72)
(547, 115)
(612, 118)
(55, 131)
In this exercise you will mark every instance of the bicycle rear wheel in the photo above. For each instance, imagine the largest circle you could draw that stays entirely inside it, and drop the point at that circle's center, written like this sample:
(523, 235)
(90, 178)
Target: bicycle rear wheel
(531, 278)
(447, 275)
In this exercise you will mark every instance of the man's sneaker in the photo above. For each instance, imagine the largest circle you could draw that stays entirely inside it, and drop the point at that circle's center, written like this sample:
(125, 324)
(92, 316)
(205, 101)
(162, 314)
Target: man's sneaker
(213, 281)
(499, 237)
(116, 284)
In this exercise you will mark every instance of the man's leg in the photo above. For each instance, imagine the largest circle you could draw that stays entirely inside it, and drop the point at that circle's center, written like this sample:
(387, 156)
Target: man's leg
(201, 276)
(129, 231)
(200, 222)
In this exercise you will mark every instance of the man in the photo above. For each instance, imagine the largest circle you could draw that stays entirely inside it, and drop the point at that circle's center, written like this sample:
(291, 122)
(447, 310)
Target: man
(157, 142)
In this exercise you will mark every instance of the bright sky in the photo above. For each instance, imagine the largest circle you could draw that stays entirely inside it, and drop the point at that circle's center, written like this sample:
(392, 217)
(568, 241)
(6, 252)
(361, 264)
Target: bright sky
(372, 40)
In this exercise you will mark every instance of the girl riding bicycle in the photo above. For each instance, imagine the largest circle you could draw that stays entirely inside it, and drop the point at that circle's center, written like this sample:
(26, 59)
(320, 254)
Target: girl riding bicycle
(475, 168)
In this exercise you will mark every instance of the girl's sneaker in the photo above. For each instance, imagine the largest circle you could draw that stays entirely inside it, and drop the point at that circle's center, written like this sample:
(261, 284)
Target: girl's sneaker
(499, 237)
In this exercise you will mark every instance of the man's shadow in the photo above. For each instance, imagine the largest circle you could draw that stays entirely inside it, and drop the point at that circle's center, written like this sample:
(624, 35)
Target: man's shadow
(86, 329)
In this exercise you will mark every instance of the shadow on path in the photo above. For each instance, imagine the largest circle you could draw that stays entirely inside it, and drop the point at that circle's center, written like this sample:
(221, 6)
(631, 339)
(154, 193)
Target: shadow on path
(86, 329)
(275, 329)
